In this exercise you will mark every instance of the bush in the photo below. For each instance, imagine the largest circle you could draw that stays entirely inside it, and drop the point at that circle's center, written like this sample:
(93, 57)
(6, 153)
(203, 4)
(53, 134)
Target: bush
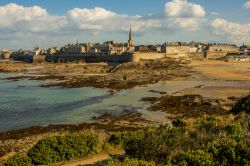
(243, 105)
(235, 130)
(228, 151)
(206, 123)
(178, 123)
(129, 162)
(18, 161)
(158, 145)
(195, 158)
(61, 148)
(122, 139)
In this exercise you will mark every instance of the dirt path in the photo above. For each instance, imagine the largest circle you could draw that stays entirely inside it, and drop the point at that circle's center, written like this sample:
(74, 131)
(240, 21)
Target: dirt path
(95, 160)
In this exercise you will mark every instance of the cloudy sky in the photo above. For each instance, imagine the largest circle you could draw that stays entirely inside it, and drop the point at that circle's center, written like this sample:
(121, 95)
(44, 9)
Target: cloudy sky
(26, 23)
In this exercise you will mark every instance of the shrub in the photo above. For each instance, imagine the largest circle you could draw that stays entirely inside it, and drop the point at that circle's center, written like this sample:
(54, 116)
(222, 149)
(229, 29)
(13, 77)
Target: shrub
(206, 123)
(243, 105)
(122, 139)
(195, 158)
(228, 151)
(61, 148)
(235, 130)
(129, 162)
(178, 123)
(158, 145)
(18, 161)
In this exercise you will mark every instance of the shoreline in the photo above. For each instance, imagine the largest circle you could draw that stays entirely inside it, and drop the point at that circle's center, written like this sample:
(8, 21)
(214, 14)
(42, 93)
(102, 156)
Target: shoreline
(195, 73)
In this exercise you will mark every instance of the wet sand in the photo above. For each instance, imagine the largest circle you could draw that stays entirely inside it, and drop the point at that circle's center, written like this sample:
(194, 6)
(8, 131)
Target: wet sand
(220, 70)
(228, 79)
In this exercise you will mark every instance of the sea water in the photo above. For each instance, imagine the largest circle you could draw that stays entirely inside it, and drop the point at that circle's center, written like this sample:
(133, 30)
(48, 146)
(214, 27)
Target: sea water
(25, 103)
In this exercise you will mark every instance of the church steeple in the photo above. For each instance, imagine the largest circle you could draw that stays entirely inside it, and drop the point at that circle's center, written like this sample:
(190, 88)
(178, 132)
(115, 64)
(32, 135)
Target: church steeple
(131, 39)
(130, 34)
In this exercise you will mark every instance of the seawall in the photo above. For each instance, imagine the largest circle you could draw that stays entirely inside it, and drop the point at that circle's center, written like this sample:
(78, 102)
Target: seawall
(90, 58)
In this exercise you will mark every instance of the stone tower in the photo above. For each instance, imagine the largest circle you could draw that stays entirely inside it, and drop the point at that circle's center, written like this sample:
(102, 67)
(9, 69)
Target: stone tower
(131, 41)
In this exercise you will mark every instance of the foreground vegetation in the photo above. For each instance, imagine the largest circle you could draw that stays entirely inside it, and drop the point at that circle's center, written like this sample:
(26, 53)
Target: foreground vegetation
(209, 140)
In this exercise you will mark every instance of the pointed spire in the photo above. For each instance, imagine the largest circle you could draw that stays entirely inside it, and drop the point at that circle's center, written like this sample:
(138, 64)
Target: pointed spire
(131, 41)
(130, 34)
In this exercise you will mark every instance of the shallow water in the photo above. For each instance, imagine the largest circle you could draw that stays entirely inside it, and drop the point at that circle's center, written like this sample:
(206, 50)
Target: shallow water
(24, 103)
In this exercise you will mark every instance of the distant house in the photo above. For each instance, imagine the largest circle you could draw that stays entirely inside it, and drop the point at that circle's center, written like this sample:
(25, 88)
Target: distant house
(148, 48)
(74, 49)
(245, 49)
(5, 54)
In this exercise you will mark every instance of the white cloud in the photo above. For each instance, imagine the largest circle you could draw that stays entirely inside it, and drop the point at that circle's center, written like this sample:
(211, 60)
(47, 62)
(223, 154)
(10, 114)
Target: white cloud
(90, 14)
(235, 32)
(36, 19)
(184, 14)
(19, 22)
(246, 5)
(101, 19)
(185, 23)
(183, 8)
(33, 19)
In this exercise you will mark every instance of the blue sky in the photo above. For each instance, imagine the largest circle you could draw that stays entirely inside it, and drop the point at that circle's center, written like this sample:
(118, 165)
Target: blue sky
(58, 22)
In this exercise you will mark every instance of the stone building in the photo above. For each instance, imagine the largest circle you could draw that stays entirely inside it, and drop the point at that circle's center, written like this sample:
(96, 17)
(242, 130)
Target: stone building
(116, 47)
(107, 48)
(224, 48)
(5, 54)
(182, 49)
(39, 51)
(245, 49)
(52, 51)
(148, 48)
(75, 49)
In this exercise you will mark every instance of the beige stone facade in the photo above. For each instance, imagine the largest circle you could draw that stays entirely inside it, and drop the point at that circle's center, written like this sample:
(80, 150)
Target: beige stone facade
(74, 49)
(5, 54)
(224, 48)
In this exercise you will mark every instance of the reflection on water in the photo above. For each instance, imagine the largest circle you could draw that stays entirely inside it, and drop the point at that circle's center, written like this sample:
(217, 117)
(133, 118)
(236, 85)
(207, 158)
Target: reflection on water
(24, 103)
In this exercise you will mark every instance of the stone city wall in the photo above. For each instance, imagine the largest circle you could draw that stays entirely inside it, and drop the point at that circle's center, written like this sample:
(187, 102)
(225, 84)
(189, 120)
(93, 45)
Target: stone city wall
(89, 58)
(129, 57)
(178, 49)
(137, 56)
(29, 58)
(221, 48)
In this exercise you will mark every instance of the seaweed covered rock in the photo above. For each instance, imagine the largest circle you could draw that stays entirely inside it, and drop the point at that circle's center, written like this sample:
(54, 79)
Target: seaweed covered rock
(186, 106)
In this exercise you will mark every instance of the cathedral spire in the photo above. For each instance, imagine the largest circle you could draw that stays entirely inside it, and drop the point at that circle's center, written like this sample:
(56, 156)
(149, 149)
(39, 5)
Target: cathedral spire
(130, 34)
(131, 40)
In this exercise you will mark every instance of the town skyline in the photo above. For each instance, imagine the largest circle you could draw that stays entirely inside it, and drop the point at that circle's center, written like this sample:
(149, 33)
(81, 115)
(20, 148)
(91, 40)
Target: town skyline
(28, 23)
